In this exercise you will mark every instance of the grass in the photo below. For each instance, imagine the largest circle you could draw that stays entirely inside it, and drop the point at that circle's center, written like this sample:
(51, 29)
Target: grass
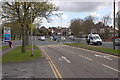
(4, 47)
(16, 55)
(99, 49)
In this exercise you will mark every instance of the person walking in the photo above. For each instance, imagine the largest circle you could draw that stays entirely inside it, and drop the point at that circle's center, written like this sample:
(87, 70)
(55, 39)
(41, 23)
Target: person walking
(10, 44)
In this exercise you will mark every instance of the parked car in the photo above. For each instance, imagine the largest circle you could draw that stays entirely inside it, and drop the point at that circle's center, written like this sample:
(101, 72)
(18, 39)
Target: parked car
(51, 37)
(63, 38)
(117, 41)
(71, 38)
(42, 38)
(55, 38)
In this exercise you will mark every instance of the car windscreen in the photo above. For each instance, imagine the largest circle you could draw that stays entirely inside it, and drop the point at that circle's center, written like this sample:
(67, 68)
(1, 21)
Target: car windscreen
(117, 39)
(96, 37)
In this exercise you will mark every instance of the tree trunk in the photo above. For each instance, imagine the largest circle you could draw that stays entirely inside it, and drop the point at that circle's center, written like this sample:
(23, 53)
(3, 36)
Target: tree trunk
(23, 39)
(27, 37)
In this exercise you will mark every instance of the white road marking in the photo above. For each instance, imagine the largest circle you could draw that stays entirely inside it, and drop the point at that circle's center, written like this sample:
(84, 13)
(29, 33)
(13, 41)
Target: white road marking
(60, 59)
(98, 55)
(86, 58)
(110, 68)
(105, 57)
(92, 51)
(65, 59)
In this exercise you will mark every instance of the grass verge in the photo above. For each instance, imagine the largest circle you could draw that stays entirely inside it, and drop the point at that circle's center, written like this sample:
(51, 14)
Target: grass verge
(4, 47)
(16, 55)
(95, 48)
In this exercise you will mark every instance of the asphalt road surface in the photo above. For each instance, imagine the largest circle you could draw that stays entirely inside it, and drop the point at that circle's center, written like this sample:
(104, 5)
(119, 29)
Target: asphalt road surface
(61, 61)
(73, 62)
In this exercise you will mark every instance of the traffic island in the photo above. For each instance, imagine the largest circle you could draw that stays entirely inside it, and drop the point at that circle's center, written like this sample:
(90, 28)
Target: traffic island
(95, 48)
(16, 55)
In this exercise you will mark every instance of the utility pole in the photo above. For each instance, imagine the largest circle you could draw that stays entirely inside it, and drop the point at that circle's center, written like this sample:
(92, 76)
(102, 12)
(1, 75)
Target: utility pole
(114, 24)
(31, 32)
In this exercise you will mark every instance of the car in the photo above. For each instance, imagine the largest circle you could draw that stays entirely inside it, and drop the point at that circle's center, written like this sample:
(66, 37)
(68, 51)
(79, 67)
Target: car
(63, 38)
(42, 38)
(55, 38)
(51, 37)
(71, 38)
(94, 38)
(117, 41)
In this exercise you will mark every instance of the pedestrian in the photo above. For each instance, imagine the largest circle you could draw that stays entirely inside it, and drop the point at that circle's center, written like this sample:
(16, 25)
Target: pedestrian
(10, 44)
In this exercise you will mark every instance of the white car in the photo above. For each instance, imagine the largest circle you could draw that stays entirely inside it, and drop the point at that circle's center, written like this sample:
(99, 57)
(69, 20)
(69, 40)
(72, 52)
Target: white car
(94, 38)
(71, 37)
(63, 38)
(42, 38)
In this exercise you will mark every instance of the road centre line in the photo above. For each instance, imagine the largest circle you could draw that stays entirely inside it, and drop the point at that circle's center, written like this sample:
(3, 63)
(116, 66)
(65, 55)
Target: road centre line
(86, 58)
(110, 68)
(52, 65)
(92, 51)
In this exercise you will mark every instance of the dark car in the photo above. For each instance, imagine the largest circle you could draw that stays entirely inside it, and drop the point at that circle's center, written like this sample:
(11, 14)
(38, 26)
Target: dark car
(117, 41)
(55, 38)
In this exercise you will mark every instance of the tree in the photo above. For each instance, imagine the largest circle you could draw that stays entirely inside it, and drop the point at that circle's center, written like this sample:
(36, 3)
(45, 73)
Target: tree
(118, 22)
(75, 26)
(21, 12)
(106, 20)
(87, 26)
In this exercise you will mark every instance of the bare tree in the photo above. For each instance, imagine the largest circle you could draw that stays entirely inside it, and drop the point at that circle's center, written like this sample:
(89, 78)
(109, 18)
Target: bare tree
(106, 20)
(118, 23)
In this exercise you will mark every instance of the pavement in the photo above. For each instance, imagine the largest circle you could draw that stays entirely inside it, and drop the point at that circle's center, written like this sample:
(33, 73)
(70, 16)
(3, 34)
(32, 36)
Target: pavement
(62, 61)
(29, 69)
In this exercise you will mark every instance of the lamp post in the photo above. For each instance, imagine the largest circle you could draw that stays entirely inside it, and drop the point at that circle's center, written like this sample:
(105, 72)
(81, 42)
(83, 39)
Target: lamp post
(114, 24)
(31, 32)
(61, 19)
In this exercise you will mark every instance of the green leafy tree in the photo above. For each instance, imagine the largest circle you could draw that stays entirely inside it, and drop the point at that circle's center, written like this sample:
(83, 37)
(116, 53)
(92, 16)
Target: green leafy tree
(21, 12)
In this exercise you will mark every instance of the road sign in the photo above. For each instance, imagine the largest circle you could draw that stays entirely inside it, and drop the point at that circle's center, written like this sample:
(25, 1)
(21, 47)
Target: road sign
(7, 35)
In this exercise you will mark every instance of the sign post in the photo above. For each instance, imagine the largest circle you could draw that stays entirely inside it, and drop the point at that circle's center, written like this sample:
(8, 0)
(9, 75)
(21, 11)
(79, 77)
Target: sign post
(7, 35)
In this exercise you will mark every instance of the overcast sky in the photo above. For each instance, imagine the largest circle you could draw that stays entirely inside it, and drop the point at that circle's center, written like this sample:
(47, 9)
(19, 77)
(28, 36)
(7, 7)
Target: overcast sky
(78, 9)
(71, 10)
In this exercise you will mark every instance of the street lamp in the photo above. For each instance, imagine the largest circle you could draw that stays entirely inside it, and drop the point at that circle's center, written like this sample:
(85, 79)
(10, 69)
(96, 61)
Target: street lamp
(114, 24)
(61, 19)
(31, 32)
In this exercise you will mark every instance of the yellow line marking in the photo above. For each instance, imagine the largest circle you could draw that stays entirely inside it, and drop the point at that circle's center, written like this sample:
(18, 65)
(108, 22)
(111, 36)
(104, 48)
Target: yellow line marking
(52, 65)
(53, 70)
(92, 51)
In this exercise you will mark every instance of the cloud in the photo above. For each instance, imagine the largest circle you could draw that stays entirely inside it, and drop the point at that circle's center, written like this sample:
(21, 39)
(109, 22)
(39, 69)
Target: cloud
(94, 14)
(81, 6)
(56, 21)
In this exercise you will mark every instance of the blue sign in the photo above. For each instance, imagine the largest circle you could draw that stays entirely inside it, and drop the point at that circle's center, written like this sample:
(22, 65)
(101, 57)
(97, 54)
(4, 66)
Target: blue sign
(7, 35)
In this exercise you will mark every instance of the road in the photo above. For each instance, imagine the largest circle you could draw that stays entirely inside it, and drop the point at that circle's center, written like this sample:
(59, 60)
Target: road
(48, 42)
(79, 63)
(61, 61)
